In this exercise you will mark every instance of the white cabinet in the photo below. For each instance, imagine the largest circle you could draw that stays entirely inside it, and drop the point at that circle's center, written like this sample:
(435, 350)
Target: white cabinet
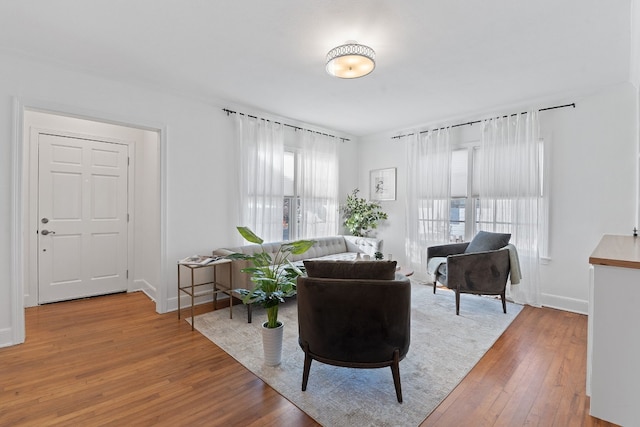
(613, 356)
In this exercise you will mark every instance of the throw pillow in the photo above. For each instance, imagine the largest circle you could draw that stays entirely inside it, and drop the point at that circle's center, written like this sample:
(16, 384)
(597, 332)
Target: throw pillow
(487, 241)
(373, 270)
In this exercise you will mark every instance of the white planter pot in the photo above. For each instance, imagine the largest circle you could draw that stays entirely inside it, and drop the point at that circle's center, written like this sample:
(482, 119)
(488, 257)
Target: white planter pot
(272, 344)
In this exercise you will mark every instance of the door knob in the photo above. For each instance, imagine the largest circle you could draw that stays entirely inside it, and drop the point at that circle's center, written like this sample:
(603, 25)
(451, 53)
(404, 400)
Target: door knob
(45, 232)
(45, 220)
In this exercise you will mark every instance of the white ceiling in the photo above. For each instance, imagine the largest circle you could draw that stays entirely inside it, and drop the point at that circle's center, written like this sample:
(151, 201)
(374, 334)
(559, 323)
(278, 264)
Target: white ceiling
(436, 59)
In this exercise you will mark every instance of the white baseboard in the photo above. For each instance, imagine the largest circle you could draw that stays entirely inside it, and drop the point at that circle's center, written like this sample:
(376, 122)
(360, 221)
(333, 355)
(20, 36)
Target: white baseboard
(6, 338)
(146, 287)
(564, 303)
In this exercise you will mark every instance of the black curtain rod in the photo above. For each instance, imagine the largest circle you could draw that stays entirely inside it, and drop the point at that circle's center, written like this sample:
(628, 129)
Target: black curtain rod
(480, 121)
(284, 124)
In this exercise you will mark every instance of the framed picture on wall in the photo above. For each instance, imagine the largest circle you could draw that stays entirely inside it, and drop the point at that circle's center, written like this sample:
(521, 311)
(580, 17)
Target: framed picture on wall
(382, 184)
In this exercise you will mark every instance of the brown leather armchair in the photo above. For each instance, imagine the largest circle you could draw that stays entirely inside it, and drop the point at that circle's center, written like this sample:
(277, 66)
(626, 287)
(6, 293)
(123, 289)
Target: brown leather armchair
(354, 314)
(480, 267)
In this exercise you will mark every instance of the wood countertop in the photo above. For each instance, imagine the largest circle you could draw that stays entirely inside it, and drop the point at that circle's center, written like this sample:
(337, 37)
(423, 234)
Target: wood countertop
(617, 251)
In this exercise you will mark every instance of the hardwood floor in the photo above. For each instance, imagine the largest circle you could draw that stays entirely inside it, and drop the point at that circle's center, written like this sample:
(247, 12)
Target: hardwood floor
(535, 374)
(113, 361)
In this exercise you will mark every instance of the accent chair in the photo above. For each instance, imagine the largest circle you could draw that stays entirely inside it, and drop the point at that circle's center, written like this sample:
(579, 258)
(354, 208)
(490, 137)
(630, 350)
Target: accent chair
(480, 267)
(354, 314)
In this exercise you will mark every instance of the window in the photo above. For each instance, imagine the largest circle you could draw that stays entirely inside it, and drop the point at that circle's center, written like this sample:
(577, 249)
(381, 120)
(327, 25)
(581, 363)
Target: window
(287, 180)
(457, 220)
(459, 196)
(291, 212)
(467, 214)
(311, 187)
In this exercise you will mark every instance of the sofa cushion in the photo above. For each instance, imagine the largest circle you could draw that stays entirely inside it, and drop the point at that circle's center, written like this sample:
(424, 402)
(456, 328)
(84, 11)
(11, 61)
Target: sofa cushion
(367, 245)
(487, 241)
(323, 246)
(373, 270)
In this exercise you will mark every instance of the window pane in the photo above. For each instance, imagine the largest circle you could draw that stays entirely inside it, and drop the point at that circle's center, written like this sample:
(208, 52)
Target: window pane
(291, 218)
(475, 176)
(457, 220)
(289, 171)
(288, 215)
(432, 215)
(459, 168)
(541, 157)
(286, 219)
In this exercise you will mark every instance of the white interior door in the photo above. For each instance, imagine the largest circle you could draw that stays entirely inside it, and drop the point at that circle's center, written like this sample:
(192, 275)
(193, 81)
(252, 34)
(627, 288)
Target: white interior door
(82, 206)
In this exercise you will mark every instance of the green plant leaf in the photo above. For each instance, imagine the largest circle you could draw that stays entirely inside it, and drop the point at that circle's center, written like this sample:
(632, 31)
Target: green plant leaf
(300, 246)
(274, 276)
(238, 256)
(262, 259)
(360, 215)
(249, 235)
(297, 271)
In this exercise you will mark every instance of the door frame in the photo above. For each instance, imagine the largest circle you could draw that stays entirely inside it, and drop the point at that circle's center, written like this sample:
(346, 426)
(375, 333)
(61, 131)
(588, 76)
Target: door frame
(20, 215)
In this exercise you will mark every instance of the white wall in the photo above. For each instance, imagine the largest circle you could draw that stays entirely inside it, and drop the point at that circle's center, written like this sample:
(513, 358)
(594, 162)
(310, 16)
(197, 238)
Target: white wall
(382, 152)
(593, 187)
(197, 170)
(592, 179)
(197, 138)
(146, 216)
(634, 62)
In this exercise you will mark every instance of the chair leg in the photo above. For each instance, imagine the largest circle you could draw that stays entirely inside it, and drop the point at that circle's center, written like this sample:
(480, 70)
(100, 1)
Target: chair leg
(307, 366)
(249, 313)
(434, 285)
(504, 302)
(457, 303)
(395, 371)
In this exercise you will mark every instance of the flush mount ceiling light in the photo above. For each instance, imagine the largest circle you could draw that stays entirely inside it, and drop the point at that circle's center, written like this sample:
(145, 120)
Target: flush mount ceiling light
(351, 60)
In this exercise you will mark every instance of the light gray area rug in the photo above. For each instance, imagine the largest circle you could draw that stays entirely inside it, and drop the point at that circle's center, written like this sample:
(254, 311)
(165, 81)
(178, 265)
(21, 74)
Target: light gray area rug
(444, 348)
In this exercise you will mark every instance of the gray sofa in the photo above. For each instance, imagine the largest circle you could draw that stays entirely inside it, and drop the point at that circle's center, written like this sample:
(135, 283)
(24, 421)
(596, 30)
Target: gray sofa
(341, 248)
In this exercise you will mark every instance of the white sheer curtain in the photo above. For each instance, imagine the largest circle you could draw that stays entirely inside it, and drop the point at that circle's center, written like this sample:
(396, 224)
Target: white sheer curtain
(428, 193)
(317, 180)
(261, 193)
(509, 178)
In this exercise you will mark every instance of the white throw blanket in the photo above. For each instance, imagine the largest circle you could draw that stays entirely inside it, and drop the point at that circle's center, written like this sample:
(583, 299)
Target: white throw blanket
(515, 273)
(433, 264)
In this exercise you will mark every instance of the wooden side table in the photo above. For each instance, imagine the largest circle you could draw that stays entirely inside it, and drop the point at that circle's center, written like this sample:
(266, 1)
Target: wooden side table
(214, 287)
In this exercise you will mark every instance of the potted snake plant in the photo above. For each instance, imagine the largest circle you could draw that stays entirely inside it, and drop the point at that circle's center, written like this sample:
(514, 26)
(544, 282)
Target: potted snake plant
(274, 279)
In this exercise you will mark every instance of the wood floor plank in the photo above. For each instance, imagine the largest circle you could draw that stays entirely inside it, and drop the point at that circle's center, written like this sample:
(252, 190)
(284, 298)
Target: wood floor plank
(535, 374)
(113, 361)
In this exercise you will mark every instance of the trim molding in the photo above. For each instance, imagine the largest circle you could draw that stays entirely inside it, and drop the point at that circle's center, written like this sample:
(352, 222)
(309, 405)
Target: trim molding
(6, 337)
(17, 274)
(146, 287)
(564, 303)
(163, 287)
